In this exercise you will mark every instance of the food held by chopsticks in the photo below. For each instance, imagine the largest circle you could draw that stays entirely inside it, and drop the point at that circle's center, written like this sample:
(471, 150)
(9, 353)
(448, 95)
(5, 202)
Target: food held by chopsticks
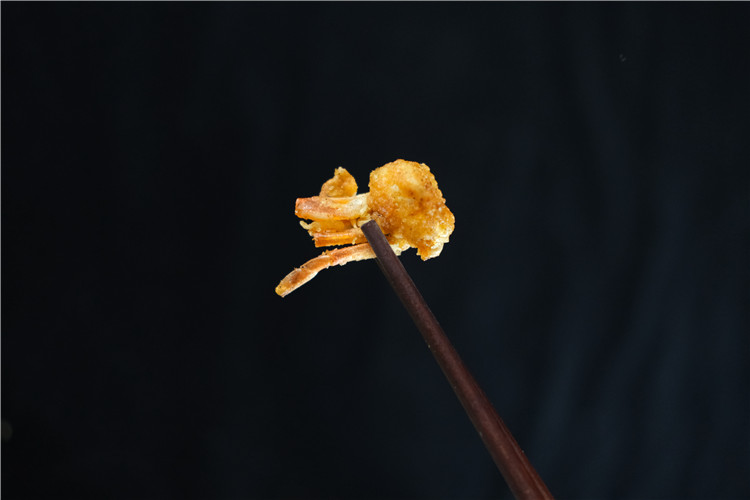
(404, 200)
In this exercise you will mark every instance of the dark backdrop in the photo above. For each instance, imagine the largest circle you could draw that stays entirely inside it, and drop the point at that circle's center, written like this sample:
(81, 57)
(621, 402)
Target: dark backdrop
(596, 159)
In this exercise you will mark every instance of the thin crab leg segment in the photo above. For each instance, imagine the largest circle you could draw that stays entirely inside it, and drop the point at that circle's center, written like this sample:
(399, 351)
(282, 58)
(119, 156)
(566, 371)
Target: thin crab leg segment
(326, 208)
(334, 232)
(350, 236)
(309, 269)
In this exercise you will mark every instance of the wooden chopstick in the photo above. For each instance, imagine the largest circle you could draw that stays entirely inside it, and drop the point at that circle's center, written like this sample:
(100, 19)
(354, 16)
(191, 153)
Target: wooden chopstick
(523, 480)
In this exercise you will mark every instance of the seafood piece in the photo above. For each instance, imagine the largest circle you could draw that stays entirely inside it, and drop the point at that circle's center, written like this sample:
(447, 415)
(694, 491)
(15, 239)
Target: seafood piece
(404, 200)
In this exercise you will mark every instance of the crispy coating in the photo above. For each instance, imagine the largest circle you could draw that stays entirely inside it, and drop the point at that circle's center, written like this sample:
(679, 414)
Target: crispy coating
(341, 185)
(407, 205)
(404, 200)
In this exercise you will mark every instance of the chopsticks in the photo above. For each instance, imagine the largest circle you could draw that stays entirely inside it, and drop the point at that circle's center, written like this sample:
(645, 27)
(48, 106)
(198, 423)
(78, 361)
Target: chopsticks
(522, 479)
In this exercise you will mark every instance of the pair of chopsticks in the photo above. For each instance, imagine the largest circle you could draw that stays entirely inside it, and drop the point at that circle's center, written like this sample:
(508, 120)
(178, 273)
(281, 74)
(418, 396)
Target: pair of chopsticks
(523, 480)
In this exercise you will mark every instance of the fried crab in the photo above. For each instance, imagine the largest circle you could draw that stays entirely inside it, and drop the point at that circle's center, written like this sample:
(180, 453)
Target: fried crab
(404, 200)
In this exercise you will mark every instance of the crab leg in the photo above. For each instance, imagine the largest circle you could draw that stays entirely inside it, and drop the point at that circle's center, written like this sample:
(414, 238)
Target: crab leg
(329, 208)
(349, 236)
(329, 258)
(337, 257)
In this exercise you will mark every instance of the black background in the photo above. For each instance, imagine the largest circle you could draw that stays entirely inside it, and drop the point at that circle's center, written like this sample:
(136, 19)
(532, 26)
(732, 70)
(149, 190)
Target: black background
(596, 159)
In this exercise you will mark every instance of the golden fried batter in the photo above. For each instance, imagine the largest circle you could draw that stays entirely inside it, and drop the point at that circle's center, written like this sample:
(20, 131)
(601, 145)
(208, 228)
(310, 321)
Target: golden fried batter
(407, 205)
(340, 185)
(404, 200)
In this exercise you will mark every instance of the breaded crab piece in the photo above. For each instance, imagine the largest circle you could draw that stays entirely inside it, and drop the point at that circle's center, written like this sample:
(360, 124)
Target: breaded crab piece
(404, 200)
